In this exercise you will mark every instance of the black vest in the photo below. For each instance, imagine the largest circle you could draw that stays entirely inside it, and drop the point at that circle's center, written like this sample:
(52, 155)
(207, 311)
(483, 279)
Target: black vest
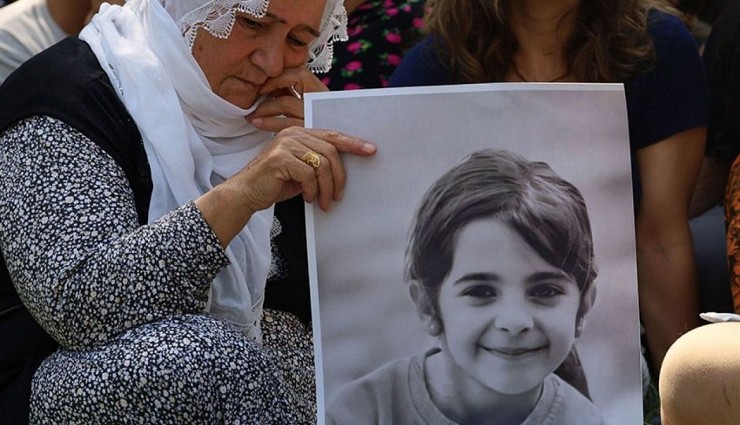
(63, 82)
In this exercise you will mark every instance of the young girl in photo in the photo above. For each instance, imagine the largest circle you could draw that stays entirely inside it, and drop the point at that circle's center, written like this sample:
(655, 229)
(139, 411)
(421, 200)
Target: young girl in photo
(500, 266)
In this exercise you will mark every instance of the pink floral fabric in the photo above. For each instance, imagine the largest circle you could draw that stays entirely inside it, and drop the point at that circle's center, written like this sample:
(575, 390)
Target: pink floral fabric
(379, 32)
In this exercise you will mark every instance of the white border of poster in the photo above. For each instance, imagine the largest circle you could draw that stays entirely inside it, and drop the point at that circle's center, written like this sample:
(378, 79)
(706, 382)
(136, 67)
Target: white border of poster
(363, 315)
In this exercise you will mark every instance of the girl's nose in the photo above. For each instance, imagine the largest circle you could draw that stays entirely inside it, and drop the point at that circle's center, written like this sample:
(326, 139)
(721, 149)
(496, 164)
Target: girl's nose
(513, 318)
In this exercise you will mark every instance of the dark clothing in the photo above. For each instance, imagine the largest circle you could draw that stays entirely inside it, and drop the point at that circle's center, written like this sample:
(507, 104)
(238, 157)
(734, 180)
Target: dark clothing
(722, 61)
(68, 84)
(666, 100)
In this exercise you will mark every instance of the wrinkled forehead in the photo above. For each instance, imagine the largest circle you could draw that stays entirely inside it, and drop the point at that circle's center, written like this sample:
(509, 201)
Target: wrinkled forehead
(217, 17)
(209, 9)
(179, 9)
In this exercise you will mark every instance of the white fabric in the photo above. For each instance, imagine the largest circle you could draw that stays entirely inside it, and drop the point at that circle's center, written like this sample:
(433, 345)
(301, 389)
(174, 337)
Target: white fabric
(218, 16)
(26, 28)
(713, 317)
(193, 138)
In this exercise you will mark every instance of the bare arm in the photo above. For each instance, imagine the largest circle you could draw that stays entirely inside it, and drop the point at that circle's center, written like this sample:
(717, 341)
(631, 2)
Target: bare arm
(665, 262)
(710, 187)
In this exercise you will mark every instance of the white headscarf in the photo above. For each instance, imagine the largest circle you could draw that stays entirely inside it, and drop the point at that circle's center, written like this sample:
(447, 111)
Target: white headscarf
(194, 139)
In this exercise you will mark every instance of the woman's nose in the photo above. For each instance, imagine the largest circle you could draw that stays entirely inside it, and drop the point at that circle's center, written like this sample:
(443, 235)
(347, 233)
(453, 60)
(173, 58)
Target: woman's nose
(270, 59)
(513, 318)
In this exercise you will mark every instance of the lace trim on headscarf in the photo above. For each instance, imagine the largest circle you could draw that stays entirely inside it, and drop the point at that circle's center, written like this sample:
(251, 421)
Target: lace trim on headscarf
(333, 28)
(218, 17)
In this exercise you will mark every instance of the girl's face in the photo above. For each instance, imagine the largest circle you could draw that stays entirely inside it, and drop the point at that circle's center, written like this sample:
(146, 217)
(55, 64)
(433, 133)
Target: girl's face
(508, 316)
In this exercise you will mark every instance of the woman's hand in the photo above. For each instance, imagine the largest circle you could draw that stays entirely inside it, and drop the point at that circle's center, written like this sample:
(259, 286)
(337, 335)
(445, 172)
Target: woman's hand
(284, 106)
(278, 173)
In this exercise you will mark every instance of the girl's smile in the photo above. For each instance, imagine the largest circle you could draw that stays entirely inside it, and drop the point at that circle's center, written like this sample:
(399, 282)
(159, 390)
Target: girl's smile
(514, 353)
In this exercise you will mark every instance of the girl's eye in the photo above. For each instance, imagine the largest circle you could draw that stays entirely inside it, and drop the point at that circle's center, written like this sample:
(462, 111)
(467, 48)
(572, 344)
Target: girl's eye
(480, 292)
(545, 292)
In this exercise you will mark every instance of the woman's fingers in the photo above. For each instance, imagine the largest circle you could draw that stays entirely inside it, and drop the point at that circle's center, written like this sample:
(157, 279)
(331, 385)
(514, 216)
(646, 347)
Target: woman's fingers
(300, 79)
(308, 182)
(288, 106)
(328, 144)
(326, 182)
(324, 171)
(329, 168)
(277, 114)
(343, 142)
(284, 106)
(300, 160)
(276, 124)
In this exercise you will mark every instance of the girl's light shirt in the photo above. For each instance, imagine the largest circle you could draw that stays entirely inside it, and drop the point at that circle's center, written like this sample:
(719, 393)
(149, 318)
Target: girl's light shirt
(396, 394)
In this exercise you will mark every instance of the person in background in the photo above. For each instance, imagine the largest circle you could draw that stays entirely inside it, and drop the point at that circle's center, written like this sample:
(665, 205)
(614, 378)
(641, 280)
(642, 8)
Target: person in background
(709, 209)
(700, 16)
(732, 214)
(30, 26)
(722, 58)
(700, 378)
(636, 42)
(380, 31)
(139, 167)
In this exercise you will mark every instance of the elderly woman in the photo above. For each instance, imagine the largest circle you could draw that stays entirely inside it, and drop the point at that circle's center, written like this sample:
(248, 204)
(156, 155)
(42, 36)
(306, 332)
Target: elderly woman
(139, 166)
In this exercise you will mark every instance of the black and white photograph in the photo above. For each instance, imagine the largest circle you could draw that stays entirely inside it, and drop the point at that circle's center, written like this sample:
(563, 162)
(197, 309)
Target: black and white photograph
(480, 267)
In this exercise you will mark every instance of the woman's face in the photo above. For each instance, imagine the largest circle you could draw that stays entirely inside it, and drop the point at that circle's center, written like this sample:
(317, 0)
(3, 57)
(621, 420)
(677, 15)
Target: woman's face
(508, 316)
(258, 49)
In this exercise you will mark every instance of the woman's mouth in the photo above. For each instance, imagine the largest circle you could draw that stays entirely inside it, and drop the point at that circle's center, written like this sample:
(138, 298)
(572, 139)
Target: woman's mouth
(247, 83)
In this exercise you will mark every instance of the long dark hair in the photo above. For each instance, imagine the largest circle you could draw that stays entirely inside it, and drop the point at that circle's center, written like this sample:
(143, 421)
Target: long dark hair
(609, 43)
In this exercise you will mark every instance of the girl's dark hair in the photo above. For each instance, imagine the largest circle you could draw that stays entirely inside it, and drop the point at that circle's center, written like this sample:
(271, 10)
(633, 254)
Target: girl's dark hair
(610, 41)
(548, 212)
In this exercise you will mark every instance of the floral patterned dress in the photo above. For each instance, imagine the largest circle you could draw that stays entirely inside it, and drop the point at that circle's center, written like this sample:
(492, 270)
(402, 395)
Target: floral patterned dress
(732, 216)
(379, 32)
(125, 301)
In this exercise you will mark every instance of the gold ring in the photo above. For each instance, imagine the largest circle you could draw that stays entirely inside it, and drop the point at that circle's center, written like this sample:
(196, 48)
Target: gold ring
(311, 158)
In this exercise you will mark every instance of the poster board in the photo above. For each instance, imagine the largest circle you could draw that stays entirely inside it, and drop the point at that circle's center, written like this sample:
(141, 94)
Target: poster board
(363, 314)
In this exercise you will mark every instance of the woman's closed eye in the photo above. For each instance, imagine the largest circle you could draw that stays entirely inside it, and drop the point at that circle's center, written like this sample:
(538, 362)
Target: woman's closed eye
(298, 41)
(250, 24)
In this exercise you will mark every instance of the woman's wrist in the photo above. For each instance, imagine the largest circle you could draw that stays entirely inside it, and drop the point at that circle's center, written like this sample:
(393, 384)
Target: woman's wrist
(226, 210)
